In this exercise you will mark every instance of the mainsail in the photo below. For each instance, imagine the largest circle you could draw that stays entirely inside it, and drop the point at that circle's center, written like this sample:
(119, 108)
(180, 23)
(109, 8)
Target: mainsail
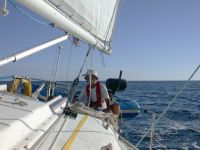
(90, 21)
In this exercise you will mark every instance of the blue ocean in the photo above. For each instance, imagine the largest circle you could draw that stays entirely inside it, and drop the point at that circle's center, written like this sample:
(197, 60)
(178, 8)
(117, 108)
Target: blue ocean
(179, 128)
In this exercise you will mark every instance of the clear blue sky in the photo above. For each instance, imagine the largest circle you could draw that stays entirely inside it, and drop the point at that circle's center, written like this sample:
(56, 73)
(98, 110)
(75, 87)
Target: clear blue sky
(153, 40)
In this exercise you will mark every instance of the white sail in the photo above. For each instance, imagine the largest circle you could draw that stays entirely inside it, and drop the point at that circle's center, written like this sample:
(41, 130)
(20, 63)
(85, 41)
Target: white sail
(91, 21)
(95, 16)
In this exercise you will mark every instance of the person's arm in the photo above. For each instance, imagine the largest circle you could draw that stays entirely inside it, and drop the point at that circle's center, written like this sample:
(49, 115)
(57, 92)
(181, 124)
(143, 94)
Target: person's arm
(108, 105)
(82, 97)
(105, 96)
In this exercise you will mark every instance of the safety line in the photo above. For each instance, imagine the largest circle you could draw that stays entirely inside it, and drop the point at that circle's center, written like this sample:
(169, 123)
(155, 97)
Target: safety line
(169, 105)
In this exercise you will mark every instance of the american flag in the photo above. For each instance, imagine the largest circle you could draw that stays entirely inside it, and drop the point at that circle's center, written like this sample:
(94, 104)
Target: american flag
(76, 41)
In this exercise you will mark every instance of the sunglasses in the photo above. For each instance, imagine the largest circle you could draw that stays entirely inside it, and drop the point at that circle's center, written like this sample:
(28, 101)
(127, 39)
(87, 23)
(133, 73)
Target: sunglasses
(87, 77)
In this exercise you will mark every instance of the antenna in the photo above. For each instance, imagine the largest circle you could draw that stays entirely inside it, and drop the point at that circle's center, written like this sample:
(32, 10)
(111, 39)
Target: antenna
(4, 11)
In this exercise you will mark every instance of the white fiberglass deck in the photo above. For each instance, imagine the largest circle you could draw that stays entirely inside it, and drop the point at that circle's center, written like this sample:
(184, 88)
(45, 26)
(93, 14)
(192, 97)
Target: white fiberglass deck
(22, 119)
(26, 123)
(84, 132)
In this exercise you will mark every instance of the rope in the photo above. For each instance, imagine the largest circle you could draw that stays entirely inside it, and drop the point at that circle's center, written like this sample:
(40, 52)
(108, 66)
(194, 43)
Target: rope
(79, 108)
(169, 105)
(152, 131)
(13, 4)
(90, 83)
(136, 130)
(128, 145)
(109, 118)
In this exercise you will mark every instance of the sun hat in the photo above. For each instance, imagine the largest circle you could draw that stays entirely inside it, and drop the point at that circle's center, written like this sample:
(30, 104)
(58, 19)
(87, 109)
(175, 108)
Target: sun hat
(91, 72)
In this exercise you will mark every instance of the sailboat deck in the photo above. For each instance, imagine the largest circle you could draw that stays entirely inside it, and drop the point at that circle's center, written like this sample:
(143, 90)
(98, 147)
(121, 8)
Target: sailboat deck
(36, 124)
(84, 130)
(22, 117)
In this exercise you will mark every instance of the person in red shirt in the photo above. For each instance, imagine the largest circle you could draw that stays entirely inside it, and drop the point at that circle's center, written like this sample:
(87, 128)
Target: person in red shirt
(95, 94)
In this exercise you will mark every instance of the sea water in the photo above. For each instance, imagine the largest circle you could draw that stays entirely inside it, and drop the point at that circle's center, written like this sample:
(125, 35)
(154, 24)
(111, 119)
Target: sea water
(179, 128)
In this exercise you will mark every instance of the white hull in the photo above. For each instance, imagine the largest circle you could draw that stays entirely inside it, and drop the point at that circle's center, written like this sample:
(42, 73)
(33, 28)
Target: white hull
(26, 123)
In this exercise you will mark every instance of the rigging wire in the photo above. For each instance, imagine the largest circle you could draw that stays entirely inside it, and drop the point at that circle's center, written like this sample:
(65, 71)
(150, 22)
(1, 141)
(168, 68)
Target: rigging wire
(57, 63)
(86, 63)
(69, 61)
(13, 4)
(90, 79)
(169, 105)
(75, 83)
(54, 71)
(90, 83)
(102, 59)
(142, 132)
(75, 42)
(152, 130)
(91, 61)
(113, 15)
(54, 65)
(160, 144)
(87, 54)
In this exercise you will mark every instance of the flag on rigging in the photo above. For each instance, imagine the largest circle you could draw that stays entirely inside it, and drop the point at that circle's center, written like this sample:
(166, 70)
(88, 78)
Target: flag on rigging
(76, 41)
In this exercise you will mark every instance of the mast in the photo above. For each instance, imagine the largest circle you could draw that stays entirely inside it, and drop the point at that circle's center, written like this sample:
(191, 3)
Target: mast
(31, 51)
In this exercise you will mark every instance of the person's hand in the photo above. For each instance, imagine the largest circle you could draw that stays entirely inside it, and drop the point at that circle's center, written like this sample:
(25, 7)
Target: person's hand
(107, 110)
(74, 100)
